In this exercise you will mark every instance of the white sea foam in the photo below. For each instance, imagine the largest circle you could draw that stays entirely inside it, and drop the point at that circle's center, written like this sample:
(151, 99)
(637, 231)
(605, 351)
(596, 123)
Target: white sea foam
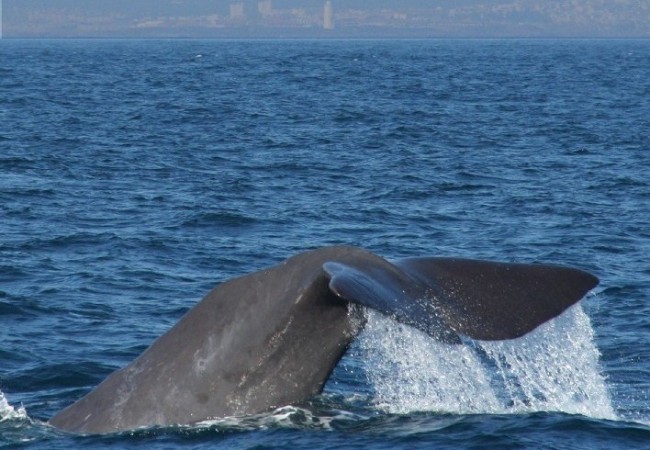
(285, 417)
(553, 368)
(8, 412)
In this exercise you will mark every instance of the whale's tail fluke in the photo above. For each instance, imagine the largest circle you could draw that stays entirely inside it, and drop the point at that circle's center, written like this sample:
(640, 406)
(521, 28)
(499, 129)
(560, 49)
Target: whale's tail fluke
(272, 338)
(479, 299)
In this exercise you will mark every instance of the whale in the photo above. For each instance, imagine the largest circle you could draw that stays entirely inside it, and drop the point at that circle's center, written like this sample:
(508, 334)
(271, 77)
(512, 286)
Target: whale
(272, 338)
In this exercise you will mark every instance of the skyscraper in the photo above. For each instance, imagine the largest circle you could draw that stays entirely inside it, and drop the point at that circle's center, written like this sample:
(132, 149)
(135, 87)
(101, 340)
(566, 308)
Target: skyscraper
(328, 16)
(265, 7)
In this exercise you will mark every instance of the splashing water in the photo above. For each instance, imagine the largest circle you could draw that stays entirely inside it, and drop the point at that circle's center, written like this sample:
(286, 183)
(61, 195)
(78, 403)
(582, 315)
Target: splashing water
(17, 428)
(553, 368)
(8, 412)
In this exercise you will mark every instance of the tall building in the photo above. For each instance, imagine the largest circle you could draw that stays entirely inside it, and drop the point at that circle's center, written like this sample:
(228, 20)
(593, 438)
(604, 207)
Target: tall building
(264, 7)
(328, 16)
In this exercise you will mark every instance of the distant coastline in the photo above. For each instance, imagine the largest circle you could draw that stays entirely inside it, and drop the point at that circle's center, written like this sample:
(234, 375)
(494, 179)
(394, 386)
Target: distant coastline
(340, 19)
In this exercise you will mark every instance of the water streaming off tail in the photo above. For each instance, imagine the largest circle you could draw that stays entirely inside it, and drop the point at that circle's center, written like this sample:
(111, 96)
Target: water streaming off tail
(553, 368)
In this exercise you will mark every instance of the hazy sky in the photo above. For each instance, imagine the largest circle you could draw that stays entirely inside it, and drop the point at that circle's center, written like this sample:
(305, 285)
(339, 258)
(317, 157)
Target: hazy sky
(209, 18)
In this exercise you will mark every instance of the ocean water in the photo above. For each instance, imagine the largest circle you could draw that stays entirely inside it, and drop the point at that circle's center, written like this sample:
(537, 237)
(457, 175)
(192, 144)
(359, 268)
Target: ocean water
(135, 175)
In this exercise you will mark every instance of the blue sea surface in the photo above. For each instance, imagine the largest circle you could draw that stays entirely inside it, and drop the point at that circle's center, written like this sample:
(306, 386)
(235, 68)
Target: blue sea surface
(135, 175)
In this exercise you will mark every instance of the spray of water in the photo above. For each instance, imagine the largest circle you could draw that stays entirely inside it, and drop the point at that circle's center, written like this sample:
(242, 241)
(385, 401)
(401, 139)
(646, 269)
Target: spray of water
(553, 368)
(8, 412)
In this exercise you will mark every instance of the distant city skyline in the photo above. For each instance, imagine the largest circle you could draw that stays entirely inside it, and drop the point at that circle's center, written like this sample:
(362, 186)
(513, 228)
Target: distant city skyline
(320, 18)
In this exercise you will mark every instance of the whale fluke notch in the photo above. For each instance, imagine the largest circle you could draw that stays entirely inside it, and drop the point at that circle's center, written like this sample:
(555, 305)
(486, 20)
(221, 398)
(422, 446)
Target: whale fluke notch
(391, 291)
(272, 338)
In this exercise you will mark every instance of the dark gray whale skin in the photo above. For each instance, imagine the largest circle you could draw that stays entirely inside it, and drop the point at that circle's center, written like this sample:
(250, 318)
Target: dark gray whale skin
(272, 338)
